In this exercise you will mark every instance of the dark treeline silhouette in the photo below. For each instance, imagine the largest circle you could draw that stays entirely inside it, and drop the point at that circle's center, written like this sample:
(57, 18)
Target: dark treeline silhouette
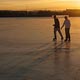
(39, 13)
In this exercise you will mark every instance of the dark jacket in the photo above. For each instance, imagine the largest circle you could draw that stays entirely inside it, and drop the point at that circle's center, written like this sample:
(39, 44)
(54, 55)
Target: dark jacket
(57, 24)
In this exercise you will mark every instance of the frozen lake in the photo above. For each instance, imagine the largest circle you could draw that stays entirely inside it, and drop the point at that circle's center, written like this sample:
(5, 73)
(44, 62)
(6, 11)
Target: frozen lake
(27, 51)
(31, 32)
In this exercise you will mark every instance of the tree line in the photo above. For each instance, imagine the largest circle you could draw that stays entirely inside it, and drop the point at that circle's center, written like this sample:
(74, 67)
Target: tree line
(39, 13)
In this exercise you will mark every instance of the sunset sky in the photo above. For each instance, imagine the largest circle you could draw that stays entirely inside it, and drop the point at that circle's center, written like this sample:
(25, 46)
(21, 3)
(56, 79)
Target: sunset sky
(39, 4)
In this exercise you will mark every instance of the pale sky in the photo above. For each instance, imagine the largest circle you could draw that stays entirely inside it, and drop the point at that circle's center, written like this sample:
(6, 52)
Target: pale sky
(39, 4)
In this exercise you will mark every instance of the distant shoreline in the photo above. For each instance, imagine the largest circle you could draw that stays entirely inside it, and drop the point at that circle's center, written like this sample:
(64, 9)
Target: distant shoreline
(30, 16)
(39, 13)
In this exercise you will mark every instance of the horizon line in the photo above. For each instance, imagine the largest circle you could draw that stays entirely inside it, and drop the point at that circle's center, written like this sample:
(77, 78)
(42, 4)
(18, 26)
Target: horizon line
(39, 10)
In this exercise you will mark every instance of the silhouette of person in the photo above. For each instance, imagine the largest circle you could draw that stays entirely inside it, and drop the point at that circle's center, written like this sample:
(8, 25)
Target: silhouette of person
(57, 28)
(67, 25)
